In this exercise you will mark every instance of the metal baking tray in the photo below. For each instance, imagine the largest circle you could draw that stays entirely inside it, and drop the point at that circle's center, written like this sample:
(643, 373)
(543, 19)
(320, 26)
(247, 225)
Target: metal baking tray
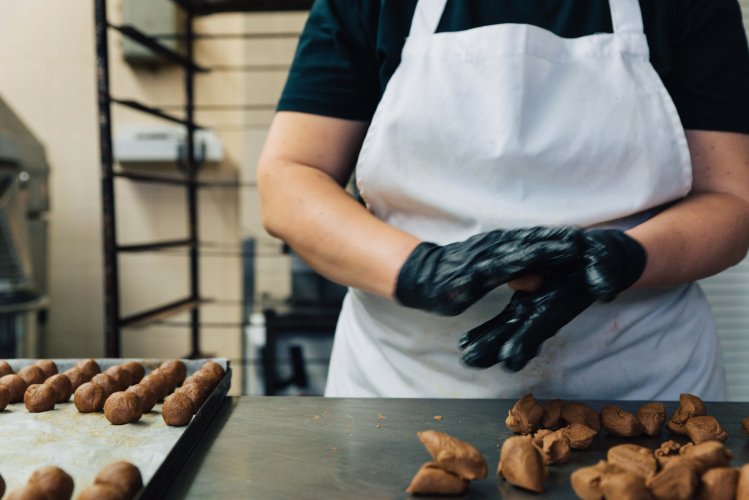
(82, 444)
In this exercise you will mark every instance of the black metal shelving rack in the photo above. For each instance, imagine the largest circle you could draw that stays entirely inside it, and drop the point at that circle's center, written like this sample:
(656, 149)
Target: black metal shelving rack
(189, 165)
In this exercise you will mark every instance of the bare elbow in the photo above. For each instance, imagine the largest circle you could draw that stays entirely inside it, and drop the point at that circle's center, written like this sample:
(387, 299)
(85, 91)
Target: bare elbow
(267, 185)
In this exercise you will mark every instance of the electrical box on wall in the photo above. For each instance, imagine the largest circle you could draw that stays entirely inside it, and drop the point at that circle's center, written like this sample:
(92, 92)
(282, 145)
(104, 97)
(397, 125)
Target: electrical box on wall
(160, 144)
(152, 18)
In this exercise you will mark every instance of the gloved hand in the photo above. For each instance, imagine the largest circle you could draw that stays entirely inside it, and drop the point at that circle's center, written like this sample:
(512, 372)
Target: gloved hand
(448, 279)
(610, 262)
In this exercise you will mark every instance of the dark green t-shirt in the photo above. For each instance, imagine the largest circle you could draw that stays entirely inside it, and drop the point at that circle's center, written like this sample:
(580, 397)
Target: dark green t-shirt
(350, 48)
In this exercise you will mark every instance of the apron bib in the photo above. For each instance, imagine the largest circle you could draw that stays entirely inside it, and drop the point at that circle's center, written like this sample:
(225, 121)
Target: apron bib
(511, 126)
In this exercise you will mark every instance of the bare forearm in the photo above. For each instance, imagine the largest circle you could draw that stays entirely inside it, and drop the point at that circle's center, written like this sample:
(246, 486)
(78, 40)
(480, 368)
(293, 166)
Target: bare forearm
(701, 236)
(330, 230)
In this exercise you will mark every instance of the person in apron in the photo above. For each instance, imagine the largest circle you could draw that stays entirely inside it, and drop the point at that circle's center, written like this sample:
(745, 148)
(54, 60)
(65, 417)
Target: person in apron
(503, 151)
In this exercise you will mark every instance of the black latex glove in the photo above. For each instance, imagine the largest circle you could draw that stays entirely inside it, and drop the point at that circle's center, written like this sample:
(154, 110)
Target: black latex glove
(448, 279)
(610, 263)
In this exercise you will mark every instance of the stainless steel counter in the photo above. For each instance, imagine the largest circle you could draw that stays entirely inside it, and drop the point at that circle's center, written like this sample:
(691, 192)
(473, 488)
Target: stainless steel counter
(280, 448)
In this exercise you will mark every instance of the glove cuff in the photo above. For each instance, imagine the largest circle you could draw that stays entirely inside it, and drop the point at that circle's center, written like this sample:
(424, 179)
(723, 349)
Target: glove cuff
(613, 262)
(408, 289)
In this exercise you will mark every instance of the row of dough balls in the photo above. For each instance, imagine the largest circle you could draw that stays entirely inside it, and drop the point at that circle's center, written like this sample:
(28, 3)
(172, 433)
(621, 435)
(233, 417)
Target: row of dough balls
(124, 392)
(116, 481)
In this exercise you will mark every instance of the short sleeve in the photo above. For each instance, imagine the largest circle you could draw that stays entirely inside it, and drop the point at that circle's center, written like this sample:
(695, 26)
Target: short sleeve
(335, 68)
(710, 80)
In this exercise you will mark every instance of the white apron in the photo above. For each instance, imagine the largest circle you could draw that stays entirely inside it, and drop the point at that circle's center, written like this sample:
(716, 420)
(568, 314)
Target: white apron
(509, 126)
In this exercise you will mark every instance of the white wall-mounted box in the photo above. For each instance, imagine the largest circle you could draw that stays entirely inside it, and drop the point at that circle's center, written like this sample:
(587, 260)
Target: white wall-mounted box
(159, 144)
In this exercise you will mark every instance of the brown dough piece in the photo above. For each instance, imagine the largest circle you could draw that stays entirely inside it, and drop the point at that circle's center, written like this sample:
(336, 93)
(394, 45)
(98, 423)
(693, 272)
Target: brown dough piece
(124, 476)
(652, 416)
(89, 367)
(707, 455)
(578, 413)
(197, 392)
(53, 482)
(176, 369)
(4, 400)
(552, 414)
(147, 397)
(202, 378)
(106, 382)
(676, 481)
(89, 398)
(137, 371)
(431, 480)
(636, 459)
(719, 484)
(170, 379)
(62, 387)
(620, 422)
(39, 398)
(5, 368)
(525, 416)
(705, 428)
(123, 408)
(742, 489)
(689, 406)
(121, 377)
(555, 448)
(157, 383)
(47, 366)
(521, 464)
(579, 436)
(177, 410)
(587, 481)
(32, 375)
(454, 455)
(76, 377)
(624, 485)
(101, 492)
(16, 387)
(216, 370)
(538, 437)
(668, 448)
(27, 492)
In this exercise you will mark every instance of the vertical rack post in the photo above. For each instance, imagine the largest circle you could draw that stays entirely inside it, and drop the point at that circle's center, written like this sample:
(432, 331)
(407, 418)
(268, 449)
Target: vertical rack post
(109, 233)
(192, 187)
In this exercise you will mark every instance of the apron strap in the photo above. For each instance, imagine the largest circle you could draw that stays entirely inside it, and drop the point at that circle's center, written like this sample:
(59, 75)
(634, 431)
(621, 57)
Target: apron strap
(626, 16)
(426, 17)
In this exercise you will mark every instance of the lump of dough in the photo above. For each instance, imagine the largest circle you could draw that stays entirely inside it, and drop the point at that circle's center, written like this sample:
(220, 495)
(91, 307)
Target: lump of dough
(31, 375)
(652, 416)
(27, 492)
(578, 413)
(454, 455)
(624, 485)
(16, 387)
(147, 397)
(100, 492)
(39, 398)
(620, 422)
(555, 448)
(552, 414)
(704, 428)
(89, 367)
(215, 370)
(432, 480)
(4, 399)
(719, 484)
(5, 368)
(48, 367)
(177, 410)
(89, 398)
(636, 459)
(198, 392)
(579, 436)
(106, 382)
(158, 384)
(689, 406)
(76, 377)
(123, 408)
(121, 377)
(62, 387)
(176, 370)
(55, 483)
(676, 480)
(123, 476)
(586, 482)
(707, 455)
(525, 416)
(521, 464)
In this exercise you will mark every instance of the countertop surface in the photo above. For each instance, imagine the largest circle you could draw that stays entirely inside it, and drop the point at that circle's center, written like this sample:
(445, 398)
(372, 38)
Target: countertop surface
(286, 447)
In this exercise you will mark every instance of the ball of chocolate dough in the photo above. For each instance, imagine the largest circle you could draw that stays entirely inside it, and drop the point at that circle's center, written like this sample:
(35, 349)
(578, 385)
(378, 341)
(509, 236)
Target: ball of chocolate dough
(55, 483)
(76, 377)
(48, 366)
(16, 387)
(89, 397)
(4, 399)
(147, 397)
(198, 392)
(106, 382)
(27, 492)
(204, 378)
(177, 410)
(158, 385)
(5, 368)
(177, 368)
(89, 367)
(121, 376)
(214, 368)
(39, 398)
(62, 387)
(137, 371)
(101, 492)
(123, 476)
(170, 379)
(123, 408)
(32, 375)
